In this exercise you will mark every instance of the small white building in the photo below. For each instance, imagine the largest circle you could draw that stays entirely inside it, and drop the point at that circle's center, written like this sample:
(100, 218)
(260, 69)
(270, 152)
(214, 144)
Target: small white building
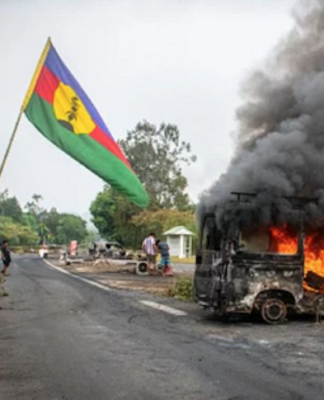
(179, 240)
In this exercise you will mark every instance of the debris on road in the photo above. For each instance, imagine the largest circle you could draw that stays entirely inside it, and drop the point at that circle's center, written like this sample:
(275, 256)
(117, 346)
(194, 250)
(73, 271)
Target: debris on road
(125, 275)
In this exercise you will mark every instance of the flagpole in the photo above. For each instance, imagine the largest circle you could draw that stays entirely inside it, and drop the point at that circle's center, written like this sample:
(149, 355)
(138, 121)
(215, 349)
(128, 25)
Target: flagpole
(12, 138)
(25, 102)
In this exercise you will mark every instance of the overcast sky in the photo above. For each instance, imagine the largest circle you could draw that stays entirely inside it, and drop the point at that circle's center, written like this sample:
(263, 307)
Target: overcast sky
(177, 61)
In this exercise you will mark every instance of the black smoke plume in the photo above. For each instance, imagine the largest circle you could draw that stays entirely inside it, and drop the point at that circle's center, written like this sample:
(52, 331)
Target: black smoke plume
(280, 148)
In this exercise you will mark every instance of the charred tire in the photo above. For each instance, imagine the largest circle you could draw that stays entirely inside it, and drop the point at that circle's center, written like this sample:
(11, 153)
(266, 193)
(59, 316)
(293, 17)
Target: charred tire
(274, 311)
(141, 268)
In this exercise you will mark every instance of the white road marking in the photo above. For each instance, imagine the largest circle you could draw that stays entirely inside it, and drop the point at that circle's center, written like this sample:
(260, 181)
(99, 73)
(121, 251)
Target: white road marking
(164, 308)
(80, 278)
(148, 303)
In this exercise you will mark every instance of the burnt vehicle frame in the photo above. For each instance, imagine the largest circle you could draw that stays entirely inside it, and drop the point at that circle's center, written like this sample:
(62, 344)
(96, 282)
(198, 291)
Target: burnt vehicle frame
(234, 281)
(109, 249)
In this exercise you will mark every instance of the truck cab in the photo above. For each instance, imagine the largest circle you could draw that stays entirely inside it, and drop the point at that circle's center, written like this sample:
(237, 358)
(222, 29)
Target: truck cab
(241, 270)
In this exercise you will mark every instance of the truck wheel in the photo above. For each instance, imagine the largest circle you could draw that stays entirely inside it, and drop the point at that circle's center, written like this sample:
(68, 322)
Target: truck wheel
(141, 268)
(274, 311)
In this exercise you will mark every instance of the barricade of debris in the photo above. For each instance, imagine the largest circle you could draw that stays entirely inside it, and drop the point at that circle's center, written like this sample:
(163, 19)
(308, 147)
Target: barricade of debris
(105, 256)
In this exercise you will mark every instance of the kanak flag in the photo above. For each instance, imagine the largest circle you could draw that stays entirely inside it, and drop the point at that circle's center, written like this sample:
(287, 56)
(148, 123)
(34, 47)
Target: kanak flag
(62, 112)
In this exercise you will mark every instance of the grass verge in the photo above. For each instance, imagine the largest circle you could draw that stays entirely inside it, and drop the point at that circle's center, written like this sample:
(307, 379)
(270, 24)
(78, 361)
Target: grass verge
(182, 289)
(177, 260)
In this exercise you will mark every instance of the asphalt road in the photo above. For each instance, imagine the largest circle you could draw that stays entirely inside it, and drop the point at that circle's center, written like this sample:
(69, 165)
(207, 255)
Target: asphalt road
(61, 338)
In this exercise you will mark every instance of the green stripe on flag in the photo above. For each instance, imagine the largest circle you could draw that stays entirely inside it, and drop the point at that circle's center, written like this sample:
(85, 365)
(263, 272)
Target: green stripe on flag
(86, 151)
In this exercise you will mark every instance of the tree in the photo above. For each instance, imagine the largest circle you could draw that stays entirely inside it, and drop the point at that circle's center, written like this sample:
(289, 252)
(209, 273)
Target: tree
(30, 221)
(27, 228)
(117, 219)
(51, 220)
(71, 227)
(102, 210)
(35, 210)
(91, 237)
(16, 233)
(157, 156)
(10, 207)
(162, 220)
(111, 214)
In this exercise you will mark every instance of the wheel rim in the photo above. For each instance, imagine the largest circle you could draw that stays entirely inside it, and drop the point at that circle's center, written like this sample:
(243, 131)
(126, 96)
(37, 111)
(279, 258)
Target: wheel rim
(142, 267)
(274, 311)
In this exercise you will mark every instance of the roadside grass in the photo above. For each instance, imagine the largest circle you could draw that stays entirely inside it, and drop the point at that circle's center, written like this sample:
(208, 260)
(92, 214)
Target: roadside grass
(177, 260)
(22, 249)
(182, 289)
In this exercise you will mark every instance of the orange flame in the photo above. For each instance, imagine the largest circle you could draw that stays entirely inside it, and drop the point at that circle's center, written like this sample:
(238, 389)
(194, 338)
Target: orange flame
(283, 241)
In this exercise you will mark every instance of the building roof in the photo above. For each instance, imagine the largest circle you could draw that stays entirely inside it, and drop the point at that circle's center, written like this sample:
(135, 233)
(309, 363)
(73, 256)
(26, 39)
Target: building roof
(178, 231)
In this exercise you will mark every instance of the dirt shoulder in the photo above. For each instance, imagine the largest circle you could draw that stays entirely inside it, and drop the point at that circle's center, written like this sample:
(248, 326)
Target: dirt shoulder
(121, 275)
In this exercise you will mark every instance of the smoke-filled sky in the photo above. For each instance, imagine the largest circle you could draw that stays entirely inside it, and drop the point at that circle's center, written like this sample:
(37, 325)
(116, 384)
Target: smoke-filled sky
(175, 61)
(280, 150)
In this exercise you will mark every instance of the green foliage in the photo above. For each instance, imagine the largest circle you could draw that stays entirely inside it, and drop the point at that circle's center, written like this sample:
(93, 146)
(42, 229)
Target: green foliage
(51, 220)
(117, 219)
(10, 207)
(34, 208)
(157, 156)
(71, 227)
(112, 214)
(182, 289)
(30, 220)
(91, 237)
(36, 211)
(162, 220)
(103, 209)
(28, 228)
(17, 234)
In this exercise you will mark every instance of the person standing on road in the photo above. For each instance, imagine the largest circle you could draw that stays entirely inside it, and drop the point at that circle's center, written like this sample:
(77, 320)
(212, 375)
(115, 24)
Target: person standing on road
(150, 249)
(163, 248)
(6, 258)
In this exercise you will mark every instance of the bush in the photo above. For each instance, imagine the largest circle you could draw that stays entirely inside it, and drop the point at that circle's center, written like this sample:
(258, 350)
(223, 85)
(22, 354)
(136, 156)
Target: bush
(17, 234)
(182, 289)
(23, 249)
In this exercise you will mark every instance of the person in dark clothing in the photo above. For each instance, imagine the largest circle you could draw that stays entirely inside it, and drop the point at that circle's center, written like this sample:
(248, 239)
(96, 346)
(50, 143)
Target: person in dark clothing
(6, 258)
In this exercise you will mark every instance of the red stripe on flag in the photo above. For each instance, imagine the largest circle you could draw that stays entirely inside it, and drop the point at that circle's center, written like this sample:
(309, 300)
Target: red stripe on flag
(101, 137)
(45, 88)
(47, 84)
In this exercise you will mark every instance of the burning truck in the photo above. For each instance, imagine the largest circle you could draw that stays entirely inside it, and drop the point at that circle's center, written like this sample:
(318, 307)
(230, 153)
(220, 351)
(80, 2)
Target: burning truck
(270, 270)
(263, 250)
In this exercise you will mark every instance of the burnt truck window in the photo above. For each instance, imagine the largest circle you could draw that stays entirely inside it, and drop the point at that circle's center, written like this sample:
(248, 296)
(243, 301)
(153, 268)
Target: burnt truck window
(211, 239)
(276, 240)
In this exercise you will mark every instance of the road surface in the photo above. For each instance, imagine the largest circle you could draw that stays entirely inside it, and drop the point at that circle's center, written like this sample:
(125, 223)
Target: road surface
(62, 338)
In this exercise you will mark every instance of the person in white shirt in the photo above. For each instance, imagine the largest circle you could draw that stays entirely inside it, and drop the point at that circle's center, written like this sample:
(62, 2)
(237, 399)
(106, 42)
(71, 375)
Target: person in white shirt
(150, 249)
